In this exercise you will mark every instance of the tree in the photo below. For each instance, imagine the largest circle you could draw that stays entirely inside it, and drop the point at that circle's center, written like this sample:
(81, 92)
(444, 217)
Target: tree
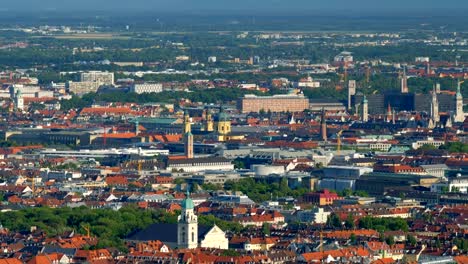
(353, 238)
(346, 192)
(411, 240)
(334, 221)
(349, 222)
(390, 240)
(266, 229)
(427, 147)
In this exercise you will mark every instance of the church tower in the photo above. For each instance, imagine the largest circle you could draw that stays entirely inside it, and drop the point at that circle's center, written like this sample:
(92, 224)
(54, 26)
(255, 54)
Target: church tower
(365, 110)
(188, 137)
(187, 125)
(223, 126)
(187, 226)
(19, 101)
(209, 125)
(459, 115)
(435, 108)
(404, 82)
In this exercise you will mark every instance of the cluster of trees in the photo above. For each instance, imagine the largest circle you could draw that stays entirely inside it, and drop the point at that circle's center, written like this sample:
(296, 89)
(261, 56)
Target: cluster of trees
(197, 95)
(455, 147)
(261, 191)
(110, 226)
(384, 224)
(368, 222)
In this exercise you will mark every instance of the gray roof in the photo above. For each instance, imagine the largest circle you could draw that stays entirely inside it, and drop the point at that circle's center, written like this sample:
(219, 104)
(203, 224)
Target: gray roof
(164, 232)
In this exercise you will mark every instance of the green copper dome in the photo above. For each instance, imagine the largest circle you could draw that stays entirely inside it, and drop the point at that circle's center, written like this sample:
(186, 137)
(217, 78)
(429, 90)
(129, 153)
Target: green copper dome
(223, 116)
(187, 203)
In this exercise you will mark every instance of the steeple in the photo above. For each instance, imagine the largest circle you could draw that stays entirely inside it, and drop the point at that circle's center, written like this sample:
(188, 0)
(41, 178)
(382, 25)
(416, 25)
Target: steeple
(404, 82)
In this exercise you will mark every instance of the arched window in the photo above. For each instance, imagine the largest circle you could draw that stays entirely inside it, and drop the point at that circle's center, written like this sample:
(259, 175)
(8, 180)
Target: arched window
(193, 236)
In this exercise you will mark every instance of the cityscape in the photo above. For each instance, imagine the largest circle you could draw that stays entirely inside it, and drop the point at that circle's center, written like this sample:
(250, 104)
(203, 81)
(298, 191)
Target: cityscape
(224, 133)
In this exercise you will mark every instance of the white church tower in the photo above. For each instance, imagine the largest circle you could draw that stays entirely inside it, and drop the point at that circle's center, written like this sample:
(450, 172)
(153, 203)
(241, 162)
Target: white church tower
(19, 101)
(365, 110)
(187, 227)
(459, 115)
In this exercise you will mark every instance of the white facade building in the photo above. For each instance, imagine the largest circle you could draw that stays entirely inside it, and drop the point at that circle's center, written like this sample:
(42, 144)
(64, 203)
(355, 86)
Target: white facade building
(316, 216)
(103, 78)
(140, 88)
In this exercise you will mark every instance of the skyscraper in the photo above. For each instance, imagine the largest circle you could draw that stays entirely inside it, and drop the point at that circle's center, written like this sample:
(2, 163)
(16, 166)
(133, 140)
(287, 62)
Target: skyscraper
(351, 91)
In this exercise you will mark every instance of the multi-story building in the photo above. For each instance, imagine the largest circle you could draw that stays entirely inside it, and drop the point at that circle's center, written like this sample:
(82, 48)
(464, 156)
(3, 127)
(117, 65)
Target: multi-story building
(316, 216)
(321, 198)
(80, 88)
(140, 88)
(276, 103)
(104, 78)
(428, 141)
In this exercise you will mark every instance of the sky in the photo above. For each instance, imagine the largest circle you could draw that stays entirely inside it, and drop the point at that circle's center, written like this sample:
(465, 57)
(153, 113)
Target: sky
(260, 6)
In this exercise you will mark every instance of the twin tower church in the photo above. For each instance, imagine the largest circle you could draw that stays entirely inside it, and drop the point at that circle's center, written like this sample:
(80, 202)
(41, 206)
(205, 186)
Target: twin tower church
(186, 233)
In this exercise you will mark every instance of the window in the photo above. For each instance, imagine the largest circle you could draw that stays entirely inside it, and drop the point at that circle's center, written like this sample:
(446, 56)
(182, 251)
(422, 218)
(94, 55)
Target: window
(193, 236)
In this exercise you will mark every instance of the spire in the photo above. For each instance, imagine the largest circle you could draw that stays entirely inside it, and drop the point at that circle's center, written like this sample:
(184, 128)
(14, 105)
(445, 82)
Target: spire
(459, 88)
(404, 82)
(187, 203)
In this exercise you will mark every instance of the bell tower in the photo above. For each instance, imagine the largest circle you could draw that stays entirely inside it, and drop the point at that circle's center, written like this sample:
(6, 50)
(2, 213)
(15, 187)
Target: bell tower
(187, 227)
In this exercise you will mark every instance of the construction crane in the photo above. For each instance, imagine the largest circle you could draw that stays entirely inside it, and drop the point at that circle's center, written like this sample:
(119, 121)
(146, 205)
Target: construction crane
(338, 141)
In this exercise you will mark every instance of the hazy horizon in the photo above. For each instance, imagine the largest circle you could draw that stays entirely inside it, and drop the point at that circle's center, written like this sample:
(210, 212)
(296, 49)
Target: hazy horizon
(251, 6)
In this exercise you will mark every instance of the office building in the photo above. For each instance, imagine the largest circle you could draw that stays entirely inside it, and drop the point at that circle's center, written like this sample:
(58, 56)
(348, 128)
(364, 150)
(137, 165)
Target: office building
(103, 78)
(351, 91)
(140, 88)
(80, 88)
